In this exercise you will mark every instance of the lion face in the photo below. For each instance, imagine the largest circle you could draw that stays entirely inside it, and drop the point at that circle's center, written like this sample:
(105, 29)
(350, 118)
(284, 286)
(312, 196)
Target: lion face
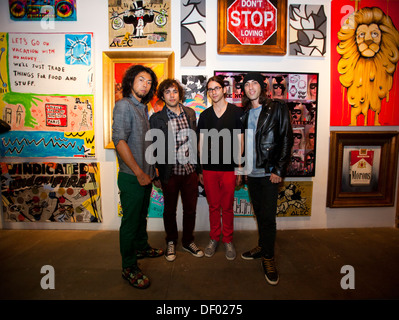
(368, 39)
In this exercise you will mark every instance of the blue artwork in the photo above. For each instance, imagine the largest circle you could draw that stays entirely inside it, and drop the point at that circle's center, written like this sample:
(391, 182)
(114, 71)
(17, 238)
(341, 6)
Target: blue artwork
(78, 49)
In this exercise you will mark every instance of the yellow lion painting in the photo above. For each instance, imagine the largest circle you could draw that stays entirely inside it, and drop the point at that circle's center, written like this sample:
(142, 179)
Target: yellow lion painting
(369, 49)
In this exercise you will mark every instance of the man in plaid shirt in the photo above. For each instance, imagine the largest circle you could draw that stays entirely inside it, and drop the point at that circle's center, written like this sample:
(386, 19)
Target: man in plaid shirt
(179, 172)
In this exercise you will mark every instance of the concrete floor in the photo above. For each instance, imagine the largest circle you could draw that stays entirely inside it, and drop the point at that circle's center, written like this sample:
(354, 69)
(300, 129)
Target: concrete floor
(87, 267)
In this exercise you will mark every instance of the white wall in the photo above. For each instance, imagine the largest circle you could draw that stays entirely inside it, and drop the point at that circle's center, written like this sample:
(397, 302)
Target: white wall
(92, 17)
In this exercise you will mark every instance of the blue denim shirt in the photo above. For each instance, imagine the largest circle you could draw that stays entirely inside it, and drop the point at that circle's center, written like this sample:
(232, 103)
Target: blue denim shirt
(130, 123)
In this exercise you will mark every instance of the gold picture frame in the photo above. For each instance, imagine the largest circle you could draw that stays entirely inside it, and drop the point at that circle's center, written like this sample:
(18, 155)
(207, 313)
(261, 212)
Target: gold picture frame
(279, 48)
(114, 63)
(381, 190)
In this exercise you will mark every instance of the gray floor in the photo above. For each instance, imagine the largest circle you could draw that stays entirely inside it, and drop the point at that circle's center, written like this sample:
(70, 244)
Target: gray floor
(87, 266)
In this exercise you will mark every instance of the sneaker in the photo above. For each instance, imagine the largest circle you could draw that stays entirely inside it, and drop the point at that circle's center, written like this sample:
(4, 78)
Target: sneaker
(149, 253)
(270, 270)
(135, 277)
(211, 248)
(253, 254)
(194, 250)
(230, 251)
(170, 253)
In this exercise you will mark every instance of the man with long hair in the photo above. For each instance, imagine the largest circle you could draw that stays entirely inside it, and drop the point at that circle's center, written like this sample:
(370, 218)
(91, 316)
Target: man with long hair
(130, 125)
(268, 147)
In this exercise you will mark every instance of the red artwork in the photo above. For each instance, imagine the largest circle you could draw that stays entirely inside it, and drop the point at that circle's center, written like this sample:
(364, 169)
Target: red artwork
(364, 63)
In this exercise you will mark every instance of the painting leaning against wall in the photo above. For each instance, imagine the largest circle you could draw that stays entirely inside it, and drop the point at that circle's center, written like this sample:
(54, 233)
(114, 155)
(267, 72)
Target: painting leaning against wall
(51, 192)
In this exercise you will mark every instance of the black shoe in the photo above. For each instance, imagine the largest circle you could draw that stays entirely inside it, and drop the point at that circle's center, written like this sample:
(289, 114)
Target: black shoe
(253, 254)
(194, 250)
(270, 270)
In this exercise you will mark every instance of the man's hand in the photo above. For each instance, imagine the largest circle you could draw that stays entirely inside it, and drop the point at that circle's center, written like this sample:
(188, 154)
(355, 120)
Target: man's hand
(144, 179)
(274, 178)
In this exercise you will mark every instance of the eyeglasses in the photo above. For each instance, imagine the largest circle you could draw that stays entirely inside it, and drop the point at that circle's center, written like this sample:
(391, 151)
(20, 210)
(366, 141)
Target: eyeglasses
(297, 135)
(313, 86)
(277, 85)
(216, 89)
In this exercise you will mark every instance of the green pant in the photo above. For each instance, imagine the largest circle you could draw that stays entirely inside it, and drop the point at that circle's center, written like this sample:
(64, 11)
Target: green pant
(133, 235)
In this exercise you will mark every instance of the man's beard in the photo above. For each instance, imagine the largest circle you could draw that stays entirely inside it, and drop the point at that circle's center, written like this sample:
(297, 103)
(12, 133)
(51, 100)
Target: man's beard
(139, 95)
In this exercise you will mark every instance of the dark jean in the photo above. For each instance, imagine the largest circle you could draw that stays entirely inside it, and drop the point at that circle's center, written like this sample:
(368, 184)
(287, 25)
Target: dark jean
(187, 185)
(263, 195)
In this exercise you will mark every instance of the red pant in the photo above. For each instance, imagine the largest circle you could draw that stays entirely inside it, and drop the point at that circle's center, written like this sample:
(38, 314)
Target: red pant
(219, 188)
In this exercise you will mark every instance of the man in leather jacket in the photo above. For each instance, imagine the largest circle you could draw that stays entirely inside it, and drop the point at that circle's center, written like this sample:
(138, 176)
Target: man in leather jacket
(269, 141)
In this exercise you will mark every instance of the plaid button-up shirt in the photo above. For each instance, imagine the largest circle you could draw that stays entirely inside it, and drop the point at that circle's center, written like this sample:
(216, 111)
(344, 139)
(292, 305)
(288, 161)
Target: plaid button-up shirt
(178, 123)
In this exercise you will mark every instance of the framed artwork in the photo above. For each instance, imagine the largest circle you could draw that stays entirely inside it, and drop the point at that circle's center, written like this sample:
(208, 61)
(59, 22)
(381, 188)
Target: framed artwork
(364, 75)
(252, 27)
(114, 65)
(299, 90)
(362, 169)
(139, 24)
(42, 10)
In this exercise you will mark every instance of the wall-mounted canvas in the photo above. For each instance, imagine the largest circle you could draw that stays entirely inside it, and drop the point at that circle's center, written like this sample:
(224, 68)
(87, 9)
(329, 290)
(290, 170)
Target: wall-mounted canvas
(46, 95)
(139, 24)
(43, 10)
(307, 30)
(299, 90)
(193, 33)
(195, 92)
(364, 63)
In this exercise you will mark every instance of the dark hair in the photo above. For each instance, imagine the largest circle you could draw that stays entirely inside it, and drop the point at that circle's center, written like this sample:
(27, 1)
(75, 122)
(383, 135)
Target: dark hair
(217, 79)
(246, 102)
(130, 76)
(166, 84)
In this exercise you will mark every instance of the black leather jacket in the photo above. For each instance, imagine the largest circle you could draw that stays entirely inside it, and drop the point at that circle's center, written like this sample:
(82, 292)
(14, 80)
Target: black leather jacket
(159, 120)
(273, 137)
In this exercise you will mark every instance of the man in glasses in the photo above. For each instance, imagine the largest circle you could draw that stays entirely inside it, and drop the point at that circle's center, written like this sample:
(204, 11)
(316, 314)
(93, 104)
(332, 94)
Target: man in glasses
(220, 125)
(268, 143)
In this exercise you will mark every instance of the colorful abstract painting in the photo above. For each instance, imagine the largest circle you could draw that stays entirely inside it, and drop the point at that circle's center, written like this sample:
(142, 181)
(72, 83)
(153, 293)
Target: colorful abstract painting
(308, 30)
(139, 24)
(51, 192)
(34, 10)
(195, 92)
(193, 33)
(364, 63)
(46, 95)
(294, 199)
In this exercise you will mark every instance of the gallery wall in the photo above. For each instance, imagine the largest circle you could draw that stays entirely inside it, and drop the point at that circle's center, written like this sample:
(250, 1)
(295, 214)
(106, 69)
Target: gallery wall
(92, 17)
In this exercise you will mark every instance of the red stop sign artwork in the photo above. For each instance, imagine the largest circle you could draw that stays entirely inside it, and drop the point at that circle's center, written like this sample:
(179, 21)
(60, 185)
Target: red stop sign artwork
(252, 22)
